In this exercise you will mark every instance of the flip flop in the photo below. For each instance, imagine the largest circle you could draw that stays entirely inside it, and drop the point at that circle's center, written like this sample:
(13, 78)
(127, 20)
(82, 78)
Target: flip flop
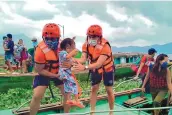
(79, 104)
(70, 102)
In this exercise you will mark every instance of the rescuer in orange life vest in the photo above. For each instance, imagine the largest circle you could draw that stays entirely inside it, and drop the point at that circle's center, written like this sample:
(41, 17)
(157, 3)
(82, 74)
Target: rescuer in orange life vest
(47, 65)
(98, 51)
(160, 81)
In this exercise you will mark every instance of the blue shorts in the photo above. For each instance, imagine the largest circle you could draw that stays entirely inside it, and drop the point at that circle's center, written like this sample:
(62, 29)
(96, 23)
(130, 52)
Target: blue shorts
(9, 57)
(45, 81)
(108, 78)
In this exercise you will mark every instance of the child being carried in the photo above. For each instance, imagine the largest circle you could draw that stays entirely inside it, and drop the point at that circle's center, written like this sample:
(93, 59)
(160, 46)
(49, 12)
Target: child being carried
(68, 51)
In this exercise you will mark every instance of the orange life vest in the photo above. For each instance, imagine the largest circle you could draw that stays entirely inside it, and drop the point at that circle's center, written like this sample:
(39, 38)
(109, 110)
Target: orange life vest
(94, 54)
(52, 60)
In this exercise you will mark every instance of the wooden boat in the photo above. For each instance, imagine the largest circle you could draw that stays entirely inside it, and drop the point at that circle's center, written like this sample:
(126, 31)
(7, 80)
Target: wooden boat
(126, 103)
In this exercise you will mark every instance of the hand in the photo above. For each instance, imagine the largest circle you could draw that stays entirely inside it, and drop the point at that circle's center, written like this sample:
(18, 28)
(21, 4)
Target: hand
(63, 79)
(74, 60)
(66, 64)
(143, 89)
(57, 75)
(136, 78)
(74, 52)
(78, 67)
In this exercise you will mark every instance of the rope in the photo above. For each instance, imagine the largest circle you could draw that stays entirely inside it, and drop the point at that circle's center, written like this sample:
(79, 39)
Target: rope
(124, 82)
(23, 104)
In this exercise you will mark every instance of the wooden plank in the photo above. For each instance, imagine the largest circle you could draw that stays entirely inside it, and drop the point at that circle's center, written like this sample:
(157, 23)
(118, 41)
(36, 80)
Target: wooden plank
(141, 102)
(134, 100)
(55, 106)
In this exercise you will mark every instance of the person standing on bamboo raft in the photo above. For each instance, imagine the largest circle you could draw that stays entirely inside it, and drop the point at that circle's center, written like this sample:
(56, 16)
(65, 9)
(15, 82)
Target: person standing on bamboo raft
(98, 51)
(47, 65)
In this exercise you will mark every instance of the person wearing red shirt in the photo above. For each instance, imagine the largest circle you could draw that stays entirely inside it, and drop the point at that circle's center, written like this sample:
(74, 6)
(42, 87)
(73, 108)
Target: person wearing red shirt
(144, 64)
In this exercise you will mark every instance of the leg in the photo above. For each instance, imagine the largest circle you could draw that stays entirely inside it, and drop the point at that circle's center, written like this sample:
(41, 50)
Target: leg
(158, 99)
(9, 58)
(37, 96)
(111, 97)
(60, 85)
(108, 82)
(24, 66)
(93, 97)
(95, 81)
(76, 98)
(40, 84)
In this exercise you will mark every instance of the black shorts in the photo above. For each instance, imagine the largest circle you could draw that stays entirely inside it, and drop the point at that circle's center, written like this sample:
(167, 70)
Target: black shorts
(108, 78)
(45, 81)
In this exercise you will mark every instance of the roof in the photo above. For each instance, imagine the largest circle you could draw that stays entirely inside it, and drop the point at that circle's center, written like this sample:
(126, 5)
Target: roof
(129, 54)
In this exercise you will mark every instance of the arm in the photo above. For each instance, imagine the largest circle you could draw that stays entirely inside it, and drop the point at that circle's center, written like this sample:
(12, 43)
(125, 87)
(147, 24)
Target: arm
(40, 69)
(99, 62)
(105, 53)
(146, 78)
(7, 49)
(71, 54)
(83, 58)
(140, 68)
(169, 81)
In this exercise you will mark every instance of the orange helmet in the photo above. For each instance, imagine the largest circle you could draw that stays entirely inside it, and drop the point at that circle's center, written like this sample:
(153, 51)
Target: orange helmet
(94, 30)
(51, 30)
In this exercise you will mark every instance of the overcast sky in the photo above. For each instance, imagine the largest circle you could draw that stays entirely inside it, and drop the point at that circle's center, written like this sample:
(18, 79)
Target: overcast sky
(124, 23)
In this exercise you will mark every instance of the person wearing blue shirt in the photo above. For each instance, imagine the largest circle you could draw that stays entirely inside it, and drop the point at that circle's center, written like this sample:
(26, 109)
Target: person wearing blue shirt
(9, 52)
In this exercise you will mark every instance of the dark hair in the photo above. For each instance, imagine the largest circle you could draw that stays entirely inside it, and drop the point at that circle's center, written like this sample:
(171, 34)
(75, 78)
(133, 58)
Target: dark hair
(9, 35)
(20, 40)
(151, 51)
(165, 55)
(4, 37)
(155, 70)
(66, 42)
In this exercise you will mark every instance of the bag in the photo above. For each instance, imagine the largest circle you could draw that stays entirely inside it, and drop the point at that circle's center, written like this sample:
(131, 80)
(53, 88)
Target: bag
(136, 64)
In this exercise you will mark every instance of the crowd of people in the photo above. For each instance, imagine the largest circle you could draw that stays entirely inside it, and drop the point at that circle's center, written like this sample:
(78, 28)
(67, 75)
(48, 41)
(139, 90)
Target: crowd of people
(17, 56)
(53, 61)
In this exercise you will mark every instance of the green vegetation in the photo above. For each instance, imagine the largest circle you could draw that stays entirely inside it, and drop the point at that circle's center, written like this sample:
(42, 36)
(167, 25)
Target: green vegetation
(17, 90)
(17, 96)
(78, 55)
(25, 82)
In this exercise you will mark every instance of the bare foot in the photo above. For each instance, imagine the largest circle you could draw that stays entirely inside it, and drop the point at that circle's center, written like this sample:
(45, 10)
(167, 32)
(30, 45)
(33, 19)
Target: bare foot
(110, 113)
